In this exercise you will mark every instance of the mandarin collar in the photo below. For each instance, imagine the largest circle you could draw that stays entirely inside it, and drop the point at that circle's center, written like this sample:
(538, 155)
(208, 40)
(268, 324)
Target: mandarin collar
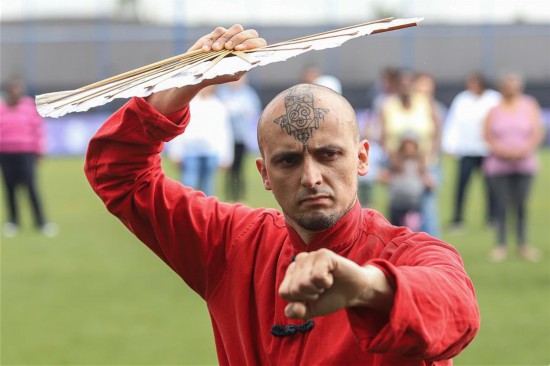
(334, 238)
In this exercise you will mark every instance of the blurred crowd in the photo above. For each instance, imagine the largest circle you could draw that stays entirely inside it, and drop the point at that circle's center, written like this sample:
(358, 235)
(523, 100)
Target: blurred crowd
(492, 132)
(495, 133)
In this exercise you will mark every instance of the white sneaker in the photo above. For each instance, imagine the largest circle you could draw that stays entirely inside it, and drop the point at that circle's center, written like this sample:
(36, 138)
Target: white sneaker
(10, 230)
(529, 253)
(498, 254)
(49, 229)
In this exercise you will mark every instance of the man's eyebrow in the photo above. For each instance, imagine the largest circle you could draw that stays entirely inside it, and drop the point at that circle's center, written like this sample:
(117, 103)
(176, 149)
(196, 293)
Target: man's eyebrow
(327, 148)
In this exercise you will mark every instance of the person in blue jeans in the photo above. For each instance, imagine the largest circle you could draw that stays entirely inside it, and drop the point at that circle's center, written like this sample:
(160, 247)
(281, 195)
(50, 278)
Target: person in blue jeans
(199, 172)
(206, 145)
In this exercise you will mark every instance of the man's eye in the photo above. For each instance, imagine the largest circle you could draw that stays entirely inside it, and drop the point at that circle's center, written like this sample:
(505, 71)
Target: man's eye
(329, 155)
(288, 161)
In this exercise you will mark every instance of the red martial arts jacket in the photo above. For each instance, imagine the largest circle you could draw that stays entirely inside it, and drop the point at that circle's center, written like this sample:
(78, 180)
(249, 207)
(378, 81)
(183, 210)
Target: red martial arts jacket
(235, 258)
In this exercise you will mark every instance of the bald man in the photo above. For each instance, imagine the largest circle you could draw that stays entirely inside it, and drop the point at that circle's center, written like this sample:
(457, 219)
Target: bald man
(323, 282)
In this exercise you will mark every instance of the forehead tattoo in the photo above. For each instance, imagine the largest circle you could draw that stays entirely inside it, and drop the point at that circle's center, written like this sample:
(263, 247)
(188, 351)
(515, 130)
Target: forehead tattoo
(301, 116)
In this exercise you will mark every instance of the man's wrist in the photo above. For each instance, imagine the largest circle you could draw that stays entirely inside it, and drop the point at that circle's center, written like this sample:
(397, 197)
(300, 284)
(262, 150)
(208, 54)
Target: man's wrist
(172, 100)
(378, 292)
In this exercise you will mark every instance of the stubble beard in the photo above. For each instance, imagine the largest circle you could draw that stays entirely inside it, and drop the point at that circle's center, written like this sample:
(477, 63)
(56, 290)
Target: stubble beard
(317, 221)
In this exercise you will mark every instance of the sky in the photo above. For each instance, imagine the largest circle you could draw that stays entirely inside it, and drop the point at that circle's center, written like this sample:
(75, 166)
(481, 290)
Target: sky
(208, 12)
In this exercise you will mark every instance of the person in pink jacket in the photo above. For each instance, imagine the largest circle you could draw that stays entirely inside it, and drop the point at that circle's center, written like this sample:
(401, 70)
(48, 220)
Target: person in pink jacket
(513, 130)
(22, 142)
(323, 281)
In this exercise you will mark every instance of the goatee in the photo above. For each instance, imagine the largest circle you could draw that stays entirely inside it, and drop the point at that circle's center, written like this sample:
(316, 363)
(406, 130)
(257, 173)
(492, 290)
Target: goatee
(317, 221)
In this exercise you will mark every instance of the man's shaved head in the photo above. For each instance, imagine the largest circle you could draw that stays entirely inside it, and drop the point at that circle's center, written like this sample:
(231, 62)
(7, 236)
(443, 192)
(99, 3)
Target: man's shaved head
(302, 109)
(311, 156)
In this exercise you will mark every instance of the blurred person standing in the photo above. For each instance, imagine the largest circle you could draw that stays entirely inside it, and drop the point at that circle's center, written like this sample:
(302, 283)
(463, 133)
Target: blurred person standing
(386, 87)
(377, 160)
(424, 83)
(367, 183)
(513, 130)
(413, 112)
(244, 107)
(407, 179)
(463, 138)
(207, 145)
(22, 142)
(371, 131)
(314, 75)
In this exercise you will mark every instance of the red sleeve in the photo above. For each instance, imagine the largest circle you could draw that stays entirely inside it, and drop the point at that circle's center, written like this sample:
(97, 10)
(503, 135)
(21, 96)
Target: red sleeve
(435, 313)
(184, 228)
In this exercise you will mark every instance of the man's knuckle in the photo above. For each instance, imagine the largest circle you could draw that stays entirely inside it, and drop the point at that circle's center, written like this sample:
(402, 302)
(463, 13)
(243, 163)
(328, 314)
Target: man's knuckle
(237, 27)
(324, 252)
(253, 32)
(300, 257)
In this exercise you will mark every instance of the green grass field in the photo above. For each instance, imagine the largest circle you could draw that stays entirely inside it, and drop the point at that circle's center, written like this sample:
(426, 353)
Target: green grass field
(95, 296)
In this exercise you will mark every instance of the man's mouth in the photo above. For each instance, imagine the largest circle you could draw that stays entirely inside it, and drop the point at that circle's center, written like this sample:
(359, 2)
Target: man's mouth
(317, 199)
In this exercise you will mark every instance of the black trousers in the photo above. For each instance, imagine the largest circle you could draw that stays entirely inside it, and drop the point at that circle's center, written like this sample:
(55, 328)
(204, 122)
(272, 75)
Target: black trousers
(19, 170)
(466, 166)
(511, 191)
(235, 184)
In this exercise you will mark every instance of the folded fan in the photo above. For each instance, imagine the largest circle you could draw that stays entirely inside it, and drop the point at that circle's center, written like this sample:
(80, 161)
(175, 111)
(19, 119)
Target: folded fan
(195, 66)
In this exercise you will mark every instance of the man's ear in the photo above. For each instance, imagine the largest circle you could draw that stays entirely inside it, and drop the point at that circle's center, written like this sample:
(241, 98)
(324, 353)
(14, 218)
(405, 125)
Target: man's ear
(260, 165)
(363, 158)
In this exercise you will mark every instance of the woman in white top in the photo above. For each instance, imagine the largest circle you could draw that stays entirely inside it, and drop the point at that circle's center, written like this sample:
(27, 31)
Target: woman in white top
(463, 138)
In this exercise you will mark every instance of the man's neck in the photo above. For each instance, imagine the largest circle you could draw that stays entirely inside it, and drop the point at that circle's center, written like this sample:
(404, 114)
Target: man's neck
(304, 234)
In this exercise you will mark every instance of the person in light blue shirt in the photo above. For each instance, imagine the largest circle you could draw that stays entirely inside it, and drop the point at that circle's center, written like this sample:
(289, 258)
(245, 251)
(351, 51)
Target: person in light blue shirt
(244, 107)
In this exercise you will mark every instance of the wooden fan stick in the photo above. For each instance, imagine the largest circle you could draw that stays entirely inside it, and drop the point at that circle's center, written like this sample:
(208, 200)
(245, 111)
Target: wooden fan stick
(169, 72)
(125, 81)
(139, 71)
(214, 63)
(267, 48)
(306, 38)
(393, 28)
(275, 49)
(159, 77)
(185, 64)
(118, 81)
(245, 57)
(143, 68)
(315, 39)
(132, 82)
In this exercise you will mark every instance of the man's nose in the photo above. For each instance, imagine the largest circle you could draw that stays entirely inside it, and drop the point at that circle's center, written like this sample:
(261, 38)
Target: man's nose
(311, 174)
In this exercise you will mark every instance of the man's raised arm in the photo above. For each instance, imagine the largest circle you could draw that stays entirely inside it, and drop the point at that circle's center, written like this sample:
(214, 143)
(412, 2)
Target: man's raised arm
(186, 229)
